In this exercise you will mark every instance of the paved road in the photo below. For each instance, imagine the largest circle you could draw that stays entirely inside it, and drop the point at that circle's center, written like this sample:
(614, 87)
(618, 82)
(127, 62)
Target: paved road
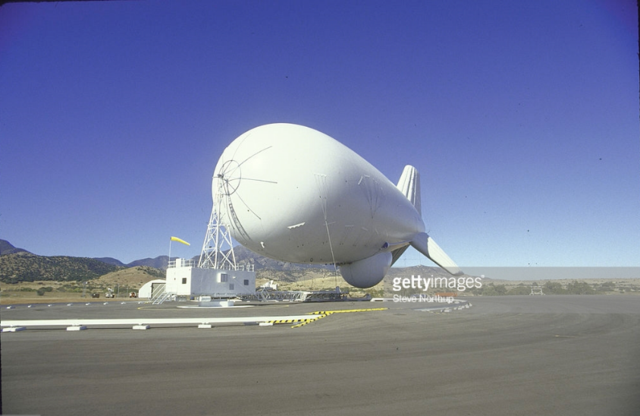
(551, 355)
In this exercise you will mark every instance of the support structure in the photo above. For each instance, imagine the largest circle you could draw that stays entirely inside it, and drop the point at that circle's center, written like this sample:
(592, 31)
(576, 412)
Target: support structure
(217, 237)
(217, 276)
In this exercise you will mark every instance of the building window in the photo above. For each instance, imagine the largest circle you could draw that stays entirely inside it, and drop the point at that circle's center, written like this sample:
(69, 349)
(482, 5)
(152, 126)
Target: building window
(184, 280)
(224, 278)
(230, 286)
(246, 282)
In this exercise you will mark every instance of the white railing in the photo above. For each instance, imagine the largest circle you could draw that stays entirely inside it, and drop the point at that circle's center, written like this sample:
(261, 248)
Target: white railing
(181, 263)
(242, 267)
(237, 268)
(192, 263)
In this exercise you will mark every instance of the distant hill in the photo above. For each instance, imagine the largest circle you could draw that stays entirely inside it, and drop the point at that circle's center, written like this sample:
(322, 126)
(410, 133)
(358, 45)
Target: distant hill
(245, 256)
(159, 262)
(8, 248)
(110, 260)
(133, 277)
(19, 265)
(27, 267)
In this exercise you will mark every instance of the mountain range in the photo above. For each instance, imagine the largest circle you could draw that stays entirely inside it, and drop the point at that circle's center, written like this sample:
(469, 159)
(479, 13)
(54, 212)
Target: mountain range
(7, 248)
(20, 265)
(243, 257)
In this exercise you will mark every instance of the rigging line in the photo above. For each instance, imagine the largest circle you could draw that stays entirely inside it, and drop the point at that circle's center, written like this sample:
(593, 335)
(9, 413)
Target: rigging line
(247, 135)
(321, 182)
(255, 154)
(230, 172)
(333, 257)
(249, 208)
(252, 179)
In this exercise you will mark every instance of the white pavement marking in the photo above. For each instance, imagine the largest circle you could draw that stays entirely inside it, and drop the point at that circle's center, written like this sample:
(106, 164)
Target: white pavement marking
(156, 321)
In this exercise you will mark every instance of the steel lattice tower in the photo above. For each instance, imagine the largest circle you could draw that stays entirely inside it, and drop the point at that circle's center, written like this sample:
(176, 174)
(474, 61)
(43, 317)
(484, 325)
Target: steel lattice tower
(212, 255)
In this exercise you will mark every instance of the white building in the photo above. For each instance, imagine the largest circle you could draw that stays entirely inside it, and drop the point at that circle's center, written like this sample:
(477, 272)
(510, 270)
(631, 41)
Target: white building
(184, 279)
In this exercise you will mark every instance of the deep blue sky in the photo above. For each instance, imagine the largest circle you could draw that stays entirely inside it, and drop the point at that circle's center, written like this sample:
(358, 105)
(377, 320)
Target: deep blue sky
(522, 118)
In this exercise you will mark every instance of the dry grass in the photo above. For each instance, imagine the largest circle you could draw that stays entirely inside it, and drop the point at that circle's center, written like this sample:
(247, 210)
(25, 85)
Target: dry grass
(134, 277)
(127, 279)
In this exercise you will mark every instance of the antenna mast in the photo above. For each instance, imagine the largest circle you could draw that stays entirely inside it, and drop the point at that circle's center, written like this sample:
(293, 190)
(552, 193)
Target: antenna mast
(213, 256)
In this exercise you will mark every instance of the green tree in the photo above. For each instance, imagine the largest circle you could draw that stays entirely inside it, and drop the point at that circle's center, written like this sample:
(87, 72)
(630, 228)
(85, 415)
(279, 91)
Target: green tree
(519, 290)
(554, 288)
(580, 288)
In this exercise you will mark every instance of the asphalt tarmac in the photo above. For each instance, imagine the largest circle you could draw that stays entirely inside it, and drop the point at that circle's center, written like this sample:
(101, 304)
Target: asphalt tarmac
(547, 355)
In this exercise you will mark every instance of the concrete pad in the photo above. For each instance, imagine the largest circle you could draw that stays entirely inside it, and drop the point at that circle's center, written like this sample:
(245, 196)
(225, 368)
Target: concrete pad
(508, 355)
(76, 328)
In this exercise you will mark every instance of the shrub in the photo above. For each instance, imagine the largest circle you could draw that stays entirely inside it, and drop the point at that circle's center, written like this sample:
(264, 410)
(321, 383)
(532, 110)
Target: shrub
(580, 288)
(553, 288)
(519, 290)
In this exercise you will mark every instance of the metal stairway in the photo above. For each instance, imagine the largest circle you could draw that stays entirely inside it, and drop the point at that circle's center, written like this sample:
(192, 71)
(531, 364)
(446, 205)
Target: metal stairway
(160, 295)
